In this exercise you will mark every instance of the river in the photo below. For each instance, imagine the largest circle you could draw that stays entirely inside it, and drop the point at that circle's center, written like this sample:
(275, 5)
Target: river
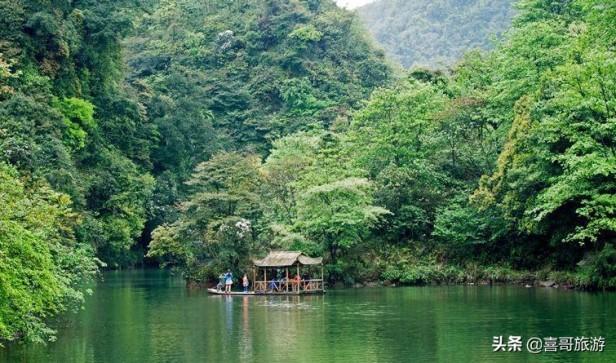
(149, 316)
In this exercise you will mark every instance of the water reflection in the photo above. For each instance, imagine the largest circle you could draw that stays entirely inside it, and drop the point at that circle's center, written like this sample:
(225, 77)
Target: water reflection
(150, 316)
(246, 339)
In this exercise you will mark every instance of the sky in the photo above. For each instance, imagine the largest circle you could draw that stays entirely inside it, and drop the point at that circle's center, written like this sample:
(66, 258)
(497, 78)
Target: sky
(352, 4)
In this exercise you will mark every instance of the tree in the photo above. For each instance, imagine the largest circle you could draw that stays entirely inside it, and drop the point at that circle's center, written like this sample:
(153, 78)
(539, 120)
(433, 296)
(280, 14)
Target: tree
(554, 177)
(289, 159)
(219, 219)
(42, 266)
(436, 33)
(338, 215)
(394, 139)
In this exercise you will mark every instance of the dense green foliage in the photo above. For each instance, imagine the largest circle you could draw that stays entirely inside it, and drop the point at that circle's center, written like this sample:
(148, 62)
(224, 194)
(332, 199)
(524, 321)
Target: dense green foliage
(433, 33)
(81, 145)
(111, 105)
(241, 75)
(211, 133)
(237, 76)
(503, 166)
(41, 263)
(65, 116)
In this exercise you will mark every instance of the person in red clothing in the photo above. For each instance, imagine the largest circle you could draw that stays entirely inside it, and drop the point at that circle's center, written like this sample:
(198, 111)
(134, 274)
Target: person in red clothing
(296, 282)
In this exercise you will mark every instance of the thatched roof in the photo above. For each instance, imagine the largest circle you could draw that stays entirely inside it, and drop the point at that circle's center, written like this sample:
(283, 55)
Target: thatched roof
(286, 258)
(305, 260)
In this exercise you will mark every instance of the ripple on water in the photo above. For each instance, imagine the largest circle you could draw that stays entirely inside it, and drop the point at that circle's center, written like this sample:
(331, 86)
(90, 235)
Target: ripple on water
(286, 305)
(150, 317)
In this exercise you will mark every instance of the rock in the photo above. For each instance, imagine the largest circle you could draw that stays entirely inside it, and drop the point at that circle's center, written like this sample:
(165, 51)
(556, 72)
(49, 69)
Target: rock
(386, 283)
(372, 284)
(548, 283)
(528, 286)
(358, 285)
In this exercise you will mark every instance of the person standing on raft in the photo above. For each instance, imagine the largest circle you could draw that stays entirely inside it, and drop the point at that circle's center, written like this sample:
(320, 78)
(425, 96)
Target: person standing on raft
(245, 283)
(221, 282)
(228, 282)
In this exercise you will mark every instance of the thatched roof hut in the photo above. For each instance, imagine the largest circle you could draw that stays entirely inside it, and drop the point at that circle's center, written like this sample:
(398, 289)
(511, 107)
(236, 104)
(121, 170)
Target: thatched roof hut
(286, 259)
(276, 261)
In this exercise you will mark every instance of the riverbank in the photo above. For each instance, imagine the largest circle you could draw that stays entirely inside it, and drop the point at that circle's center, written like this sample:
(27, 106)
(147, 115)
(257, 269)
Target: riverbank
(473, 274)
(424, 275)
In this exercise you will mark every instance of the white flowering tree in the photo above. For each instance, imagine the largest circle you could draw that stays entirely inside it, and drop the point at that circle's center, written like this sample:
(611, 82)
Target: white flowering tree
(215, 230)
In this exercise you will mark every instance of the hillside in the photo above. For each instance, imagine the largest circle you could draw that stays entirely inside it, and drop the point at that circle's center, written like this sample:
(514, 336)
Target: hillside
(261, 70)
(237, 77)
(500, 170)
(204, 135)
(432, 33)
(107, 107)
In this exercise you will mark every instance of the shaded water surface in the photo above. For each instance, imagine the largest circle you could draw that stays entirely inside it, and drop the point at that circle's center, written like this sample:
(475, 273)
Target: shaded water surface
(149, 316)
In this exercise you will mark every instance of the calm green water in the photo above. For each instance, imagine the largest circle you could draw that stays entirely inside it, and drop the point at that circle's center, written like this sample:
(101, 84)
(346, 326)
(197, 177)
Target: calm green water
(149, 316)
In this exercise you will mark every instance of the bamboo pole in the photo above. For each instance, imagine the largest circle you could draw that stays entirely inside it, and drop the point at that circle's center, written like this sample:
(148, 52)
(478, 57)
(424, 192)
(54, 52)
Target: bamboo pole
(254, 279)
(300, 279)
(322, 281)
(287, 269)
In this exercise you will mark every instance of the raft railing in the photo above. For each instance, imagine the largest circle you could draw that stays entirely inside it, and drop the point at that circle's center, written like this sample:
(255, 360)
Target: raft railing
(290, 286)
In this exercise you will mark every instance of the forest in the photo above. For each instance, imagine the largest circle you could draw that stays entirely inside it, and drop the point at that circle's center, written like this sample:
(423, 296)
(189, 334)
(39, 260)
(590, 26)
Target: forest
(200, 134)
(436, 33)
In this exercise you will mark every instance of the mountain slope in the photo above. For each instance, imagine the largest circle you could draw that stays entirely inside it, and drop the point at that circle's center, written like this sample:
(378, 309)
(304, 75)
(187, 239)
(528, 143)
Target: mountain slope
(260, 69)
(106, 107)
(235, 77)
(432, 33)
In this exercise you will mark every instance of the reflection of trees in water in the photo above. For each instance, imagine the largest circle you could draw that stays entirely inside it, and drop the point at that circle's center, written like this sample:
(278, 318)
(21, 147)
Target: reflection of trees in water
(229, 316)
(285, 328)
(283, 322)
(246, 351)
(140, 317)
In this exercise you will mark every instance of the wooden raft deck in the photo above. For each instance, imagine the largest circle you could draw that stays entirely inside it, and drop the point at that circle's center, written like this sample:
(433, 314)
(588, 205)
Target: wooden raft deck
(261, 293)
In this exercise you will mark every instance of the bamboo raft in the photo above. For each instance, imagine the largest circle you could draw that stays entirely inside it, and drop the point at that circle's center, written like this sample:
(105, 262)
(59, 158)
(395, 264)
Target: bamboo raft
(214, 291)
(278, 260)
